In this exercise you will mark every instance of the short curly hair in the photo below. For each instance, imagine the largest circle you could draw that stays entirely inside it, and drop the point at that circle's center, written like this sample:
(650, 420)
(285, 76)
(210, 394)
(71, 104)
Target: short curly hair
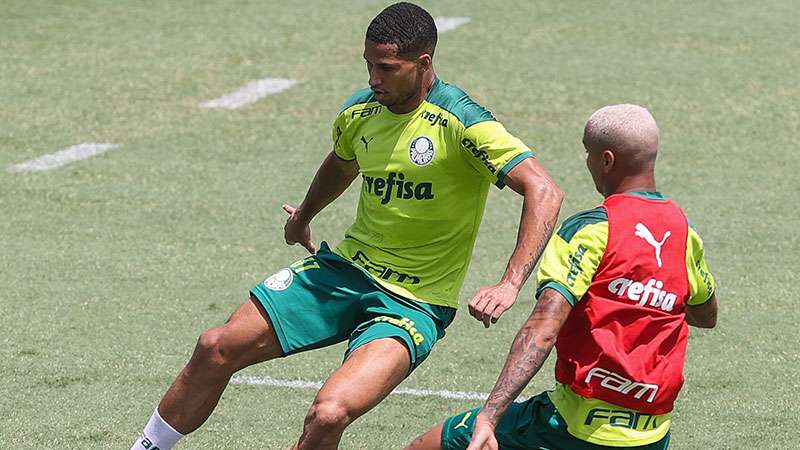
(408, 26)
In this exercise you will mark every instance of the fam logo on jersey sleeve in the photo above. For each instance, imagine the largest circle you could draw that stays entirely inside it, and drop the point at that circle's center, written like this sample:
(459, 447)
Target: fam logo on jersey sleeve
(421, 151)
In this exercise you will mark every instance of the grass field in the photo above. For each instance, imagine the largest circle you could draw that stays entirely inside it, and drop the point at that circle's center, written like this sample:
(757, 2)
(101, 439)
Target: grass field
(111, 267)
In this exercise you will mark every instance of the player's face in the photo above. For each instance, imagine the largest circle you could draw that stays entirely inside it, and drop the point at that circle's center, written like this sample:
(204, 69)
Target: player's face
(394, 79)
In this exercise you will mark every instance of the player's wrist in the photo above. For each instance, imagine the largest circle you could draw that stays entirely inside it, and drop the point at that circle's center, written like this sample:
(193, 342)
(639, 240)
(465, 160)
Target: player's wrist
(511, 284)
(302, 215)
(487, 418)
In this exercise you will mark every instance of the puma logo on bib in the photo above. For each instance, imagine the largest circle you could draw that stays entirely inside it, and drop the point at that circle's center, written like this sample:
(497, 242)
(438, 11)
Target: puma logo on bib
(643, 232)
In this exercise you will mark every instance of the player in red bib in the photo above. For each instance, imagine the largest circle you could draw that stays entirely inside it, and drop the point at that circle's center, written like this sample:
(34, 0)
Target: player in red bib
(617, 288)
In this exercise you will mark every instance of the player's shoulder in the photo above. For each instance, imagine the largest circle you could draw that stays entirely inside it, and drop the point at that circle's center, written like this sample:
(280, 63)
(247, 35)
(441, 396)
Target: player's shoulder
(361, 97)
(454, 100)
(693, 231)
(579, 221)
(694, 240)
(692, 227)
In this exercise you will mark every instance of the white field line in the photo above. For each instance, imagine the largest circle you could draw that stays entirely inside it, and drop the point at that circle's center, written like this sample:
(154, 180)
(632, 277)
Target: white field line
(63, 157)
(315, 385)
(250, 93)
(445, 24)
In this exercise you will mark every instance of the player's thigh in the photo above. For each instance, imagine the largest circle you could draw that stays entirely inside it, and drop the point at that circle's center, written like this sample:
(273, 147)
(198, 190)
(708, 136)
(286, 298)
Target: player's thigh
(532, 424)
(366, 377)
(383, 350)
(418, 326)
(431, 440)
(246, 338)
(313, 302)
(514, 431)
(456, 431)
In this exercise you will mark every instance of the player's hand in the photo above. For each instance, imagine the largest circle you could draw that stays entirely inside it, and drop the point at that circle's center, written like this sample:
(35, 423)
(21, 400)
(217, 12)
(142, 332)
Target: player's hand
(483, 436)
(297, 231)
(491, 302)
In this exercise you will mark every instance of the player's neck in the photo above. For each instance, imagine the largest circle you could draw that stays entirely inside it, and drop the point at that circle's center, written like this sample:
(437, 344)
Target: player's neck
(640, 183)
(415, 100)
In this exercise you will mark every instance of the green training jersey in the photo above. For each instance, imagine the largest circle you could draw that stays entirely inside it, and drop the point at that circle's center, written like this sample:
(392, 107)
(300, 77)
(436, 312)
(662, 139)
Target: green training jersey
(425, 176)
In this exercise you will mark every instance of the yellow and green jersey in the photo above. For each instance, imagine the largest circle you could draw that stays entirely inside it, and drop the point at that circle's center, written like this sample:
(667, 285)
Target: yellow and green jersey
(568, 265)
(425, 177)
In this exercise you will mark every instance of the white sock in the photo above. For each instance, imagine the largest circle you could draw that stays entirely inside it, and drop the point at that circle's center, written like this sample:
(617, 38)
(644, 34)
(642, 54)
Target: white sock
(157, 435)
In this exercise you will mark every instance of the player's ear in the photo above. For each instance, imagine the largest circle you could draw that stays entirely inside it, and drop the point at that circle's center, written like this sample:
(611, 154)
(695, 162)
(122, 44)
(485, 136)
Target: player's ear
(608, 160)
(424, 61)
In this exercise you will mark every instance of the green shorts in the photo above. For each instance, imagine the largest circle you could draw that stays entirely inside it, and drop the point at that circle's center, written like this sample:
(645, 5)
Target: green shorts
(532, 424)
(324, 299)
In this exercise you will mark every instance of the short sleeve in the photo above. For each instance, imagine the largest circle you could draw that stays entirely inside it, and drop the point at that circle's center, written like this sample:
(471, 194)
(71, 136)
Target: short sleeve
(572, 256)
(341, 147)
(492, 150)
(701, 282)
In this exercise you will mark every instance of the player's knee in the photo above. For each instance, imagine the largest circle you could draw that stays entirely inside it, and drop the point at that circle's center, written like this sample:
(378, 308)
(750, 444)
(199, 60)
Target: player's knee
(210, 351)
(330, 414)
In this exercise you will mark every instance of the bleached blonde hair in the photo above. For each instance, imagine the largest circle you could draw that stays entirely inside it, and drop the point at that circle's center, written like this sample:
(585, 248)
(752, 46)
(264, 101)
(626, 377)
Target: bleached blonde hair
(628, 129)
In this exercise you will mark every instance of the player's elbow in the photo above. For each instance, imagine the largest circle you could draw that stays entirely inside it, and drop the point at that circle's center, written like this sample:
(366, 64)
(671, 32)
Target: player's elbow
(703, 316)
(532, 181)
(706, 322)
(545, 191)
(547, 341)
(710, 321)
(557, 193)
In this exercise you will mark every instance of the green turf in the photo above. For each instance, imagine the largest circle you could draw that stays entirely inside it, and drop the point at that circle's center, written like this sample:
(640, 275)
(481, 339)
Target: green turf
(111, 267)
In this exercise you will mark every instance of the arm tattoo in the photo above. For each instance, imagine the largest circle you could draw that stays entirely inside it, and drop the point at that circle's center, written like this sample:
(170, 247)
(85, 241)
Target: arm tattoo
(537, 252)
(528, 352)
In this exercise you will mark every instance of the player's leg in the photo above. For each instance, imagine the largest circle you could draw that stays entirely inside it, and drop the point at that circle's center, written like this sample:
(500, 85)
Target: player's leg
(454, 433)
(534, 423)
(245, 339)
(296, 309)
(366, 377)
(432, 440)
(396, 337)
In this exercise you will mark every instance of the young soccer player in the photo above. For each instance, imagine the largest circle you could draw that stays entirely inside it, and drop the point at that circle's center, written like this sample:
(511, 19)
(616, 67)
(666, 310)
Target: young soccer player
(618, 285)
(426, 154)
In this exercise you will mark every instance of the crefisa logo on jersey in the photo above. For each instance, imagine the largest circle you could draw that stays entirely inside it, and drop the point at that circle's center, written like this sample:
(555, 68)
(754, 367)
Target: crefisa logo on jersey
(640, 292)
(421, 151)
(280, 280)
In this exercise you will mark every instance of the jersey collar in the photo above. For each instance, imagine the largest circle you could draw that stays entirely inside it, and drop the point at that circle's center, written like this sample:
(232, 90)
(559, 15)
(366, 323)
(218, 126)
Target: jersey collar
(653, 195)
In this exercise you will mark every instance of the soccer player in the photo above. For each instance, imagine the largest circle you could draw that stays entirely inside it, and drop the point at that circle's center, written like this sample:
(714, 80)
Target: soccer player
(618, 285)
(426, 154)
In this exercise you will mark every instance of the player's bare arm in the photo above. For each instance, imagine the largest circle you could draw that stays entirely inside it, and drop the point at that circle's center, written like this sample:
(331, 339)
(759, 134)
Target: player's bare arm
(333, 177)
(542, 201)
(703, 316)
(529, 350)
